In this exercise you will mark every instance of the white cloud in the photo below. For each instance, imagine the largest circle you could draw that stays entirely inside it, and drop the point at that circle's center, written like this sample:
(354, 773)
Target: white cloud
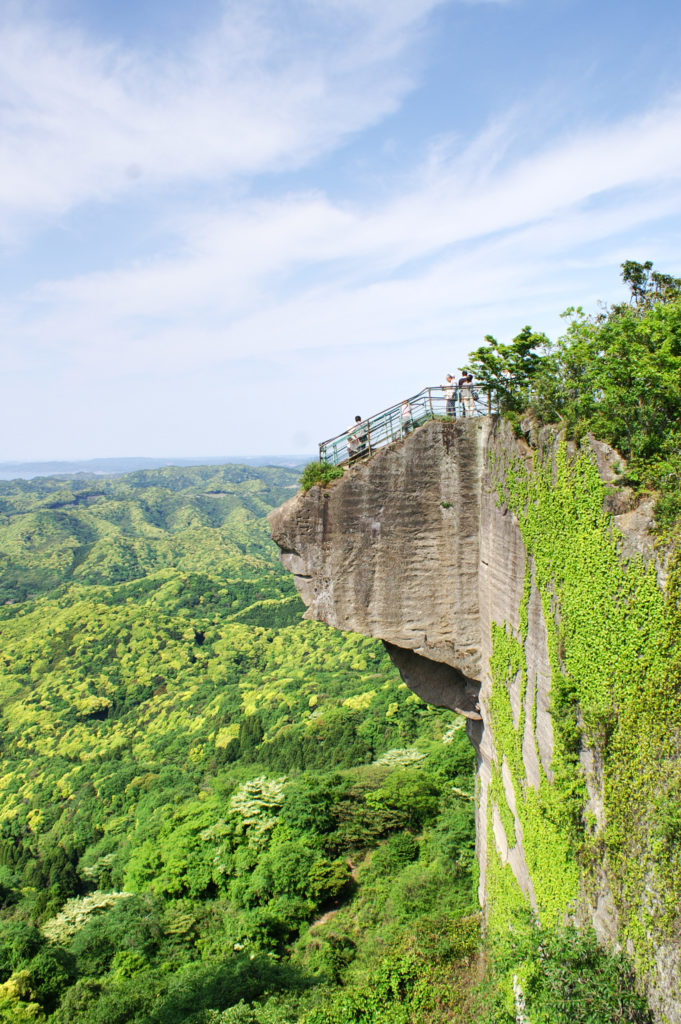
(288, 271)
(84, 121)
(375, 297)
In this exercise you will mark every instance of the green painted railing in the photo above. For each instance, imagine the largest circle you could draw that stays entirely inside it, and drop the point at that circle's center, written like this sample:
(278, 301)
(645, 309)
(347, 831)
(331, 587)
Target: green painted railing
(362, 439)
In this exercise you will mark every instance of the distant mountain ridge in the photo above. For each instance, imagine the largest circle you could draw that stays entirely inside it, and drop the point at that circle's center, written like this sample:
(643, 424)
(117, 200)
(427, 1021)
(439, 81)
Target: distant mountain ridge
(104, 530)
(114, 466)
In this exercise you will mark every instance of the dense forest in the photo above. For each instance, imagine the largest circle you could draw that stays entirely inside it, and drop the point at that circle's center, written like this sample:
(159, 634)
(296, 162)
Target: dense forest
(212, 810)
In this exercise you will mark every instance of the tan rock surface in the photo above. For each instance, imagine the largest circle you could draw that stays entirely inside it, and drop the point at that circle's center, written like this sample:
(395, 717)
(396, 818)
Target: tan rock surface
(412, 547)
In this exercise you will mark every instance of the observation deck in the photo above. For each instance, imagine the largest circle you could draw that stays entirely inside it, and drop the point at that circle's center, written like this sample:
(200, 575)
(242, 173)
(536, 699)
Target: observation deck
(362, 439)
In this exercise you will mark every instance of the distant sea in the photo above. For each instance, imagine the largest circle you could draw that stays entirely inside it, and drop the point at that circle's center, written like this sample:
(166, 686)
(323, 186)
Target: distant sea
(111, 467)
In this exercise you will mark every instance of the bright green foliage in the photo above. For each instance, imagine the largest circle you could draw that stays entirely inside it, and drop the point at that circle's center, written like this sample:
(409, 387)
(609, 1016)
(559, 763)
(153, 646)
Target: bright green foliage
(562, 976)
(312, 803)
(19, 943)
(548, 844)
(504, 896)
(399, 850)
(614, 652)
(616, 375)
(422, 979)
(411, 795)
(191, 775)
(513, 371)
(321, 473)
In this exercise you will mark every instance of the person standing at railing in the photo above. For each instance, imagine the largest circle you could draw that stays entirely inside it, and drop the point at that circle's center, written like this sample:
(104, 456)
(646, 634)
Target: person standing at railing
(469, 396)
(362, 434)
(357, 439)
(407, 421)
(463, 393)
(449, 391)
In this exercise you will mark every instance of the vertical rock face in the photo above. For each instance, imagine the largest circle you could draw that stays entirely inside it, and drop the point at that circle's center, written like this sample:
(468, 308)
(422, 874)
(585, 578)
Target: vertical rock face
(415, 548)
(392, 549)
(412, 547)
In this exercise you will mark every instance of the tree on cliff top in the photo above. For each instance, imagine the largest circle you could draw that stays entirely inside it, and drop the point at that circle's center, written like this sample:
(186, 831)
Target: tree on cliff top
(616, 375)
(648, 286)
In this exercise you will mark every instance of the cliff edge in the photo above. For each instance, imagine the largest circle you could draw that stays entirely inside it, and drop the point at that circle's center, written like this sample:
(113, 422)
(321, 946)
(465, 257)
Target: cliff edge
(459, 548)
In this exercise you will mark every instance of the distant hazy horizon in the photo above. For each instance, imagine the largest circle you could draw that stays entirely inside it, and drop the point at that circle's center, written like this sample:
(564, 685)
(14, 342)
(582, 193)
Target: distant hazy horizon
(27, 470)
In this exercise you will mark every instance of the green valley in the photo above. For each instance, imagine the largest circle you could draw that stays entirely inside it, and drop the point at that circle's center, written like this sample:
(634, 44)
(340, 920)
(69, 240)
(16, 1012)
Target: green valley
(212, 811)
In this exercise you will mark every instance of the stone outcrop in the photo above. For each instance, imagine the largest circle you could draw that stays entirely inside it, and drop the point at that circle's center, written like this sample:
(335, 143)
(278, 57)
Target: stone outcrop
(392, 549)
(413, 547)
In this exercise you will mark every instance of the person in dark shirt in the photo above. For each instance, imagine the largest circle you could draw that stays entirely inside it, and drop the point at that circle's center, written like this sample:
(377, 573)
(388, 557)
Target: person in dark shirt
(464, 391)
(470, 395)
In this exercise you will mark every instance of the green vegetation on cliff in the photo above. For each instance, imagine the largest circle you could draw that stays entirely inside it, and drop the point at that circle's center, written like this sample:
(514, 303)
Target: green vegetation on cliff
(321, 473)
(614, 643)
(615, 689)
(616, 375)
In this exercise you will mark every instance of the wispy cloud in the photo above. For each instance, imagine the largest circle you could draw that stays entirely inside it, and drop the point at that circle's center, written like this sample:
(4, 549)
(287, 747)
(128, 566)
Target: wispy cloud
(279, 272)
(84, 121)
(472, 234)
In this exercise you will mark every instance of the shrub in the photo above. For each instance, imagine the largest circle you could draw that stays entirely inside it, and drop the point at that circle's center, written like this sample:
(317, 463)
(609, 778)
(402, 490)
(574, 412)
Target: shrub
(399, 850)
(321, 473)
(312, 803)
(563, 976)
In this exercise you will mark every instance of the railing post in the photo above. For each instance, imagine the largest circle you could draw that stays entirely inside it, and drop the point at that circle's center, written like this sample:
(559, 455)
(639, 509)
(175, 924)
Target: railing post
(430, 401)
(489, 401)
(369, 436)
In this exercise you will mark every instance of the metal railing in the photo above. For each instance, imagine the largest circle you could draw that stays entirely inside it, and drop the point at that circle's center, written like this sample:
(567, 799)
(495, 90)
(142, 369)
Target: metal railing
(362, 439)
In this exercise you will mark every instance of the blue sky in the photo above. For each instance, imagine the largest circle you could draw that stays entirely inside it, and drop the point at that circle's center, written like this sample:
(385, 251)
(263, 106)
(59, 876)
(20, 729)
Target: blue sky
(227, 227)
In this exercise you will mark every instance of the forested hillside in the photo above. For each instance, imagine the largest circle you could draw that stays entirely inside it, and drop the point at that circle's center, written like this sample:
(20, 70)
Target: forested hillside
(211, 810)
(93, 530)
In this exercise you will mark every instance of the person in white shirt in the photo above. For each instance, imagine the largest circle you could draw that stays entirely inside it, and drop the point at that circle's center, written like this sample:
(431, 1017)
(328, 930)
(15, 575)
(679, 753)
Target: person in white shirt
(449, 390)
(357, 439)
(407, 421)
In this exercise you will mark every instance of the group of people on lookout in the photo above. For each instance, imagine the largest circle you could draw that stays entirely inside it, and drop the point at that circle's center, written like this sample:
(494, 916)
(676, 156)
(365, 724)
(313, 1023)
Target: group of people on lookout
(463, 389)
(461, 392)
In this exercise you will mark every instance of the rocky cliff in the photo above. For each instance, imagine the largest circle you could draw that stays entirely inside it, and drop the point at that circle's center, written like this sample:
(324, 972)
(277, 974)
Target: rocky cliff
(507, 581)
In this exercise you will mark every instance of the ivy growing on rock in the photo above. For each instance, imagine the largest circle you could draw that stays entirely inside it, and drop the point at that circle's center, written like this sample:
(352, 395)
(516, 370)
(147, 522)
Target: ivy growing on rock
(615, 688)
